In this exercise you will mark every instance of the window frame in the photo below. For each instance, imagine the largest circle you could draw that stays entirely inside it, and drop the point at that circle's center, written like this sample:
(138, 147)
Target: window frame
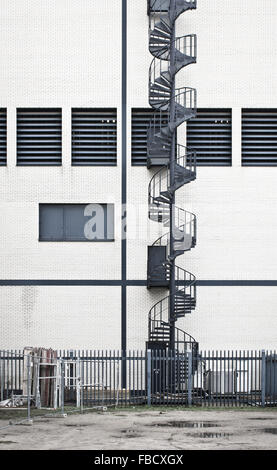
(77, 240)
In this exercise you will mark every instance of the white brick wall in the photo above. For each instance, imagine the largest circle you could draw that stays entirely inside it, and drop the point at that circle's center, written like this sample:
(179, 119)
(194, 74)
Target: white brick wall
(57, 54)
(60, 317)
(225, 318)
(68, 54)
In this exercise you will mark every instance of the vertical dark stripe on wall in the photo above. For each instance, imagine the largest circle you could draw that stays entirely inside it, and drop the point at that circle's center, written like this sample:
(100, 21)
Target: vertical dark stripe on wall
(123, 175)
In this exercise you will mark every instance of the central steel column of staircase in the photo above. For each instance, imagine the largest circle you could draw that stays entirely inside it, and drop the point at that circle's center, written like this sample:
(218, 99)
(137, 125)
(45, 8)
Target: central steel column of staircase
(177, 167)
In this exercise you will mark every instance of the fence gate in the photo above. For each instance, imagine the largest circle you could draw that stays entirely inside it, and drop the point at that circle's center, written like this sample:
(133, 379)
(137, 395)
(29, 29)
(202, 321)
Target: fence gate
(169, 377)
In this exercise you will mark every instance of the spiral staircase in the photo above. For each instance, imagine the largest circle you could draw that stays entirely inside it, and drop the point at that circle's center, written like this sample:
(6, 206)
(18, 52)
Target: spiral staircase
(177, 167)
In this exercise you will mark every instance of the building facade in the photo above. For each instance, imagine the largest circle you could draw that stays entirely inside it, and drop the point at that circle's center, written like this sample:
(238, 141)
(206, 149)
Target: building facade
(74, 109)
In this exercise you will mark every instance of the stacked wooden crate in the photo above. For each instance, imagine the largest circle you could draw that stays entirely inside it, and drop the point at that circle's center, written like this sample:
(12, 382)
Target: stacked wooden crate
(43, 376)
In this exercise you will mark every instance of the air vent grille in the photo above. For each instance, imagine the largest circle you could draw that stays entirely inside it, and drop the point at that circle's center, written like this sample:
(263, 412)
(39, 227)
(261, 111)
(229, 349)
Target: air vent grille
(94, 137)
(3, 136)
(210, 134)
(259, 137)
(39, 136)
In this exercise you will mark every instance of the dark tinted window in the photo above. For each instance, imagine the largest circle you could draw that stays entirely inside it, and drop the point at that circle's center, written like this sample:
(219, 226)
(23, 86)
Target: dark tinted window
(76, 222)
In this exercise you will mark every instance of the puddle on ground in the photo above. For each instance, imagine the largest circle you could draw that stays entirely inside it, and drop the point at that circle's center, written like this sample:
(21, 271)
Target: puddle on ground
(130, 433)
(209, 435)
(42, 420)
(76, 425)
(270, 430)
(188, 424)
(261, 419)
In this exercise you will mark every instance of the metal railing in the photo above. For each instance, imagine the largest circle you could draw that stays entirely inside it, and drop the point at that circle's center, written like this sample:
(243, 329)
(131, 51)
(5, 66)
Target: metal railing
(86, 379)
(185, 225)
(170, 7)
(174, 106)
(187, 45)
(161, 70)
(185, 106)
(160, 182)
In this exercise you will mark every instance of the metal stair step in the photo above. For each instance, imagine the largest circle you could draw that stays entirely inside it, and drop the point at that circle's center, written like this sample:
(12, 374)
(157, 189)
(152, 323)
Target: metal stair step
(160, 141)
(161, 32)
(163, 25)
(163, 326)
(161, 199)
(161, 211)
(182, 6)
(159, 154)
(158, 207)
(160, 145)
(182, 61)
(181, 306)
(160, 48)
(161, 95)
(163, 81)
(160, 336)
(159, 333)
(160, 85)
(183, 245)
(160, 52)
(166, 75)
(161, 105)
(157, 35)
(157, 161)
(166, 194)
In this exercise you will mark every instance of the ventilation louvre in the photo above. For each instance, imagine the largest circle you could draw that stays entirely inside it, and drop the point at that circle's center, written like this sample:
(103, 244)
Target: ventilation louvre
(94, 137)
(210, 134)
(259, 137)
(3, 137)
(141, 118)
(39, 136)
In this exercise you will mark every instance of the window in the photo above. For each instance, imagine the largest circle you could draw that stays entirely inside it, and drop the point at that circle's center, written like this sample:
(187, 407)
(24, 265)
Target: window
(3, 136)
(39, 136)
(141, 118)
(94, 137)
(76, 222)
(210, 134)
(259, 137)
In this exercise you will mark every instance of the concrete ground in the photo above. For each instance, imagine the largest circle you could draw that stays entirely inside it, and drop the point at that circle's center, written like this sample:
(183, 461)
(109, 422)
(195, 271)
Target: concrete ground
(150, 429)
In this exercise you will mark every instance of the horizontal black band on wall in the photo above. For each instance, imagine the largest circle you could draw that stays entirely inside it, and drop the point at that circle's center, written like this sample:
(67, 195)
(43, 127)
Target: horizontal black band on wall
(119, 282)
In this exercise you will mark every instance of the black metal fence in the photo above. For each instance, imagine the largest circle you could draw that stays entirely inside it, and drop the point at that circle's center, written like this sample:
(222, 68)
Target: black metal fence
(111, 378)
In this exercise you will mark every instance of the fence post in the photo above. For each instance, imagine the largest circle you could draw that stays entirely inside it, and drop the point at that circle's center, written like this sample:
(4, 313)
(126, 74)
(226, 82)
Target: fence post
(82, 386)
(189, 378)
(30, 421)
(62, 389)
(1, 377)
(263, 375)
(117, 382)
(78, 383)
(149, 377)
